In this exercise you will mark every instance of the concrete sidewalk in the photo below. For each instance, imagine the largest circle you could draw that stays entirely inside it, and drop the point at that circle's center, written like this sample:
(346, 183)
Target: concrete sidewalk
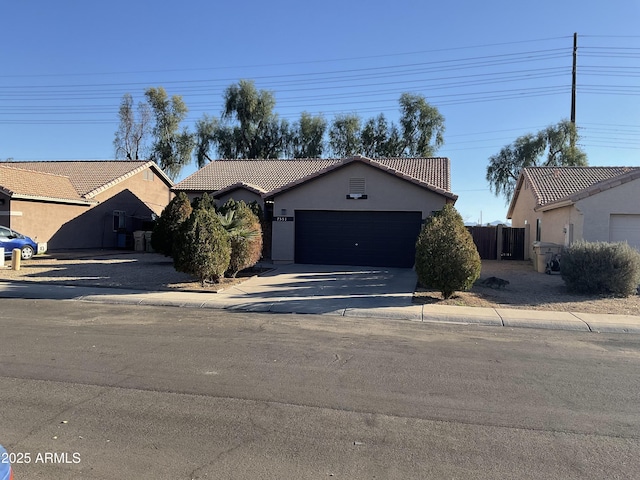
(283, 296)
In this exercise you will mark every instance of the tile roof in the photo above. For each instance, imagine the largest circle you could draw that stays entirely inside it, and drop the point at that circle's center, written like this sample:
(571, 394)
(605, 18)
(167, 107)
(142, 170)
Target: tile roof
(20, 183)
(270, 175)
(91, 176)
(434, 171)
(551, 185)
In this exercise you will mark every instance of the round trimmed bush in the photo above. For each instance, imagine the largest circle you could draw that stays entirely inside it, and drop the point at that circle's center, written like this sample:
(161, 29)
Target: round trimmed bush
(203, 248)
(446, 256)
(168, 224)
(601, 268)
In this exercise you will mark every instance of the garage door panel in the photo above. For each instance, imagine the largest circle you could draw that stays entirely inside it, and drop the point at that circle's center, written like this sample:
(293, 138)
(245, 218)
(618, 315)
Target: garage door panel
(356, 238)
(625, 228)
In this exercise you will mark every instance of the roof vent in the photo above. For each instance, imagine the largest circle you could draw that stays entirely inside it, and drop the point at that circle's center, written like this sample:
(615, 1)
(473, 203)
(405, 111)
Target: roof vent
(356, 186)
(356, 189)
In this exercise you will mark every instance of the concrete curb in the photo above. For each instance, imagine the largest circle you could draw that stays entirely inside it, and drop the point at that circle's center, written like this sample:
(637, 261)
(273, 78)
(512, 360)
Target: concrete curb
(468, 315)
(610, 323)
(337, 306)
(541, 319)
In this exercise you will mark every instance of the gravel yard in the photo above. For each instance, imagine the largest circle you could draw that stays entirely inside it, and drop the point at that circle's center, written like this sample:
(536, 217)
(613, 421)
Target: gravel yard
(527, 289)
(122, 269)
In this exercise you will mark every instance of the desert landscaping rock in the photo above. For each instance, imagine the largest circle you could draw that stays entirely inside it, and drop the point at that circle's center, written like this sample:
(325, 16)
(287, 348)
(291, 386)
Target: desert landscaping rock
(529, 290)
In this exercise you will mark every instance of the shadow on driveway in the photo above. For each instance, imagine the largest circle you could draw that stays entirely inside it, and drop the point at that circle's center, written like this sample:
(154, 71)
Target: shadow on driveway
(324, 289)
(285, 289)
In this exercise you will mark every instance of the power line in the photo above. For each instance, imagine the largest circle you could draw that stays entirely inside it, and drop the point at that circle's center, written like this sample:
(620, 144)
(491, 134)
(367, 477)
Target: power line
(365, 89)
(305, 62)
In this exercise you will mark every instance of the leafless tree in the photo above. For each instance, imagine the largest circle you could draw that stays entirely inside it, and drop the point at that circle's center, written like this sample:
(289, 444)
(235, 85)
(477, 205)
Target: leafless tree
(131, 137)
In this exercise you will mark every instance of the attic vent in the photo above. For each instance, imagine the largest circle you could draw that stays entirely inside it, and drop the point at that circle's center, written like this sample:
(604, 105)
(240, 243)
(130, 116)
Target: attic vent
(357, 186)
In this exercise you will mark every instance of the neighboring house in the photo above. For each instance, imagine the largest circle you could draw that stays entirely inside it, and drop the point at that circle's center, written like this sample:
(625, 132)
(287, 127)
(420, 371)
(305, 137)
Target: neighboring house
(82, 204)
(353, 211)
(565, 204)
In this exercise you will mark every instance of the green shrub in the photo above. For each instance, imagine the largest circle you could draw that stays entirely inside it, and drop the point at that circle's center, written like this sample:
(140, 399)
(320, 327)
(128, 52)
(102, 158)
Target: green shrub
(232, 204)
(205, 202)
(257, 210)
(601, 268)
(245, 234)
(168, 224)
(446, 257)
(203, 248)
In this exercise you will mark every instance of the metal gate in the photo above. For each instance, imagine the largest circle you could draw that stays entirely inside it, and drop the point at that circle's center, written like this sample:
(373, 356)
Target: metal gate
(504, 243)
(512, 243)
(486, 240)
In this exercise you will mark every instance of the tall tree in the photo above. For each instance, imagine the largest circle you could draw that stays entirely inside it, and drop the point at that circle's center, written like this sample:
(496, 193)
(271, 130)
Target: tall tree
(131, 136)
(206, 130)
(380, 139)
(420, 132)
(172, 147)
(344, 136)
(250, 128)
(556, 145)
(422, 126)
(307, 136)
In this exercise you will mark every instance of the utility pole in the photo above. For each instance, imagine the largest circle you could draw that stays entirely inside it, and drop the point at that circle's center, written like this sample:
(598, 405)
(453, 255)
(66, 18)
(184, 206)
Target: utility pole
(573, 78)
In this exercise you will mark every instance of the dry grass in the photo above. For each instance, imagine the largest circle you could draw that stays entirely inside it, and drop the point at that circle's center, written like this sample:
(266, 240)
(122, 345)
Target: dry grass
(528, 289)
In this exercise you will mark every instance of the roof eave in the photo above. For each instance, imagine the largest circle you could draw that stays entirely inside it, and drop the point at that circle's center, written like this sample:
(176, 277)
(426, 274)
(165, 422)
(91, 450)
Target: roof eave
(70, 201)
(130, 174)
(516, 194)
(368, 161)
(238, 186)
(567, 202)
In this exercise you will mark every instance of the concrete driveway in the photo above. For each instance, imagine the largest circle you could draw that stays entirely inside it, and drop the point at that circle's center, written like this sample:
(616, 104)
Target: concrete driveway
(319, 289)
(324, 289)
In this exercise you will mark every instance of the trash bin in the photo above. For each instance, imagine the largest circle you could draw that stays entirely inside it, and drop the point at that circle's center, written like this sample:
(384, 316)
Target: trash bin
(138, 241)
(121, 239)
(147, 242)
(543, 252)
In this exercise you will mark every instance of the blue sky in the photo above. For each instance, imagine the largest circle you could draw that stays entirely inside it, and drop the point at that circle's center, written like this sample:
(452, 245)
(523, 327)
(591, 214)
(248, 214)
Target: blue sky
(496, 70)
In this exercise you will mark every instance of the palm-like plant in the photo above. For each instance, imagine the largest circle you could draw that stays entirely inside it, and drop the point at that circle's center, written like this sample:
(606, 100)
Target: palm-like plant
(245, 235)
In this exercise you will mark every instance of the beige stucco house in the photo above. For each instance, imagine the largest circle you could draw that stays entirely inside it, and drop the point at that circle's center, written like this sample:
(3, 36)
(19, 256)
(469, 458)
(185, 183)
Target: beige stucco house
(82, 204)
(355, 211)
(562, 205)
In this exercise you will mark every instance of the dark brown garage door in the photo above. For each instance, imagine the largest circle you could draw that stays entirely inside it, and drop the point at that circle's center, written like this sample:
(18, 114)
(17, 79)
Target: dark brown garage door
(377, 239)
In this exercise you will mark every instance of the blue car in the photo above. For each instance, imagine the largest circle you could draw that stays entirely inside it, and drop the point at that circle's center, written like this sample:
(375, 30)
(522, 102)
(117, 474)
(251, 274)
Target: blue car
(5, 466)
(10, 239)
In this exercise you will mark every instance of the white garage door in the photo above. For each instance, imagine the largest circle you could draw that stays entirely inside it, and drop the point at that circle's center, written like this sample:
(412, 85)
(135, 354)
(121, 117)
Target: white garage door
(625, 228)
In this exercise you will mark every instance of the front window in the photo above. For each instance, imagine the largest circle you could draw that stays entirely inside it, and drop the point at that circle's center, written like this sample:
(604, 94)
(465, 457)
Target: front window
(538, 229)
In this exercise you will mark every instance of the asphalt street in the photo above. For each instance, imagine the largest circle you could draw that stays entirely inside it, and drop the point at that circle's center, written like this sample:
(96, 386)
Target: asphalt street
(165, 392)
